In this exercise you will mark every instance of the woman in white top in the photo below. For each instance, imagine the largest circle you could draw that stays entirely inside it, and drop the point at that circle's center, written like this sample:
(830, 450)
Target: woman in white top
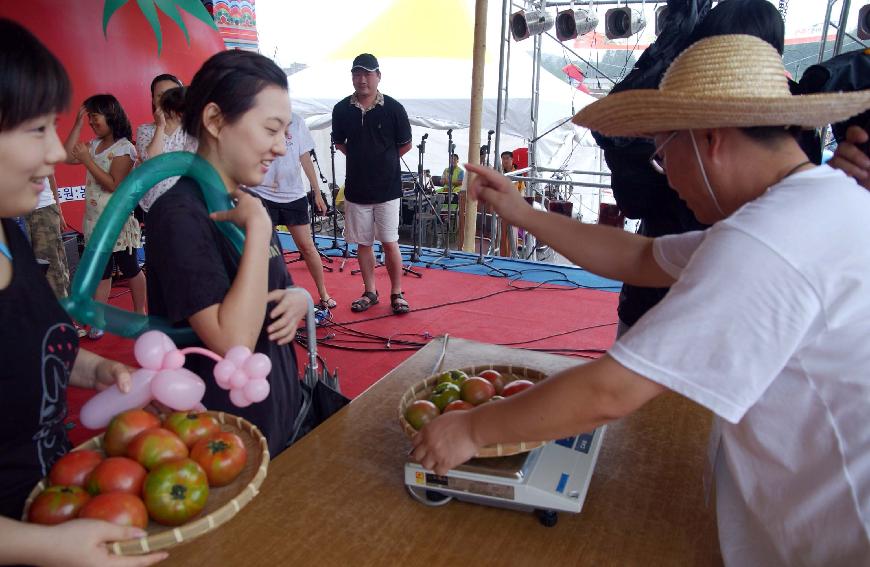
(172, 138)
(108, 159)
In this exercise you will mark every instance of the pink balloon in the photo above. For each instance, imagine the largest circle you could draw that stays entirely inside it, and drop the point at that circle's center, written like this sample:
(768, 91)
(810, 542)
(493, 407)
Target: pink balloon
(151, 348)
(238, 379)
(237, 396)
(179, 389)
(257, 390)
(238, 355)
(99, 410)
(223, 371)
(173, 360)
(258, 365)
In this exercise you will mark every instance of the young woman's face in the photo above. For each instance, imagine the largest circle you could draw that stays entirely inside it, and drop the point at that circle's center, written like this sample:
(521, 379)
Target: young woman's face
(28, 154)
(98, 124)
(248, 146)
(159, 88)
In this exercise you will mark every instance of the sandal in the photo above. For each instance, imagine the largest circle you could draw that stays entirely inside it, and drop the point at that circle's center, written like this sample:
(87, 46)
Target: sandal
(329, 303)
(399, 303)
(363, 303)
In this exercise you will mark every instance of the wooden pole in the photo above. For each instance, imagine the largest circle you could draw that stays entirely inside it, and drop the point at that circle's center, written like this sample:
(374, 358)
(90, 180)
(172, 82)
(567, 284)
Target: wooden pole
(478, 63)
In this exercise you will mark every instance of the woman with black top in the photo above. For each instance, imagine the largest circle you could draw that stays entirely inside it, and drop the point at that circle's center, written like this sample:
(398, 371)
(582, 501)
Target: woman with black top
(238, 108)
(39, 356)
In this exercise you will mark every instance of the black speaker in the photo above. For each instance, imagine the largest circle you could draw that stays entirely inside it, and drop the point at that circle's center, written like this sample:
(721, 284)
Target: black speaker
(71, 247)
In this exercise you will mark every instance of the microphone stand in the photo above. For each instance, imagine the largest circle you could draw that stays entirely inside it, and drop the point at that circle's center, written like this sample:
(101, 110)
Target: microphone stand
(313, 213)
(448, 226)
(484, 154)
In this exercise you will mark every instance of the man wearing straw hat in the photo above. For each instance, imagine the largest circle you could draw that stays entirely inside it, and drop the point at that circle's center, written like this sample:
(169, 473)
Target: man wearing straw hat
(767, 320)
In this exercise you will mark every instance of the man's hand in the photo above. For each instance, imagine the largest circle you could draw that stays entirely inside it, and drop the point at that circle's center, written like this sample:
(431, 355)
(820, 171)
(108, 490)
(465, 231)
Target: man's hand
(289, 310)
(445, 442)
(850, 158)
(499, 192)
(319, 202)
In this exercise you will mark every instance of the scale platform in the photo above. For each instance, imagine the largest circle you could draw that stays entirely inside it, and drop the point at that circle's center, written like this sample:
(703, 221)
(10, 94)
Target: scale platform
(552, 478)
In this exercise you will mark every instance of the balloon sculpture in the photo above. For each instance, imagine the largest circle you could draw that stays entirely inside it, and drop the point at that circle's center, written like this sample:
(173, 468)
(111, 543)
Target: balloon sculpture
(80, 303)
(163, 378)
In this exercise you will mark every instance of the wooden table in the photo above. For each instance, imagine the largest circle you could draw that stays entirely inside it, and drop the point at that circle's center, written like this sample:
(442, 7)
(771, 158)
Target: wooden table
(337, 497)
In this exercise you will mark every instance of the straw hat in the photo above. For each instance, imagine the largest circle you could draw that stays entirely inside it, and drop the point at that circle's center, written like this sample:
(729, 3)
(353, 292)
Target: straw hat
(719, 82)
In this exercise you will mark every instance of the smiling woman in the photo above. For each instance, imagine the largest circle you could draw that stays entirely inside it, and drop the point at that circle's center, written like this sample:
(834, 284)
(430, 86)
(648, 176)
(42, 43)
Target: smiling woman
(238, 108)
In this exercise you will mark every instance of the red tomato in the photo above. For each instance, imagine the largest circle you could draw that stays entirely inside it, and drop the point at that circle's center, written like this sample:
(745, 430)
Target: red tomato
(477, 390)
(458, 405)
(73, 468)
(117, 474)
(516, 386)
(118, 508)
(495, 378)
(175, 492)
(222, 456)
(57, 504)
(154, 447)
(191, 426)
(124, 427)
(421, 412)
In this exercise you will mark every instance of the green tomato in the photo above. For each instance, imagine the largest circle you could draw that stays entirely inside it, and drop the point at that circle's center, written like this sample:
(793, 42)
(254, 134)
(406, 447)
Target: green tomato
(452, 377)
(443, 394)
(175, 492)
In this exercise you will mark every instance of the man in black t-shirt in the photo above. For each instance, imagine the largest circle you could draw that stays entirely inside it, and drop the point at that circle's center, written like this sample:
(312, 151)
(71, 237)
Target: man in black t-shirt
(373, 131)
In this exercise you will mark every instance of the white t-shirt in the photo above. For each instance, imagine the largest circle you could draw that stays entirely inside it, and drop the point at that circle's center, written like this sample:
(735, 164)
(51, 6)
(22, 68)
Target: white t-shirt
(283, 182)
(178, 141)
(768, 326)
(46, 198)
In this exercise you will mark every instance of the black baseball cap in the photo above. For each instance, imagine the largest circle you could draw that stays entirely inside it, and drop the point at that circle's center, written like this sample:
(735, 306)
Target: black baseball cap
(365, 61)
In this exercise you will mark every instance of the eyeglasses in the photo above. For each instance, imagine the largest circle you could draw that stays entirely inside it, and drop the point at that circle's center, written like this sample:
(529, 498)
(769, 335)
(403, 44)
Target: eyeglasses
(657, 160)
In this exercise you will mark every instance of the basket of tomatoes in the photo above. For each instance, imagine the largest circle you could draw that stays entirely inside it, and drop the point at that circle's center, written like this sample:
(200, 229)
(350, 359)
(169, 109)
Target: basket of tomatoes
(462, 389)
(177, 479)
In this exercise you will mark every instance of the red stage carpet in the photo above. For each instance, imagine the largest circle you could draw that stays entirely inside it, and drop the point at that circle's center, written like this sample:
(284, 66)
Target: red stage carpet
(364, 347)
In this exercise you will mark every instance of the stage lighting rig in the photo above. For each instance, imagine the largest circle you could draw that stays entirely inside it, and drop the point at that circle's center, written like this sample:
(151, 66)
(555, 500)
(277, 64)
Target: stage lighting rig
(623, 22)
(525, 24)
(661, 17)
(572, 23)
(864, 22)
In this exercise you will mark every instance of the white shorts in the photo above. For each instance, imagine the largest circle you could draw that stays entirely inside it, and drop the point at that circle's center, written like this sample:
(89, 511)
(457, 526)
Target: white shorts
(363, 224)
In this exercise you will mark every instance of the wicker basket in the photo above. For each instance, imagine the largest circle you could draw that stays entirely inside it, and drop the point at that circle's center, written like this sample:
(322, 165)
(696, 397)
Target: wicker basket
(422, 390)
(223, 503)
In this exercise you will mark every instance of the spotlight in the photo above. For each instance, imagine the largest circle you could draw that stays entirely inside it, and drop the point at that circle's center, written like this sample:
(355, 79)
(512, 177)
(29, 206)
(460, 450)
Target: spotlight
(623, 22)
(571, 23)
(864, 22)
(661, 18)
(525, 24)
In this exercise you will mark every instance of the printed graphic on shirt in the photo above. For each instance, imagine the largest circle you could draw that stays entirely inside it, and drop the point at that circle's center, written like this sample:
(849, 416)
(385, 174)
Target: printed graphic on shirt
(58, 356)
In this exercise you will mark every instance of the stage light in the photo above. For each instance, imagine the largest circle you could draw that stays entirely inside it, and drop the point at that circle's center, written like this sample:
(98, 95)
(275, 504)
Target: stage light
(623, 22)
(525, 24)
(571, 23)
(661, 16)
(864, 22)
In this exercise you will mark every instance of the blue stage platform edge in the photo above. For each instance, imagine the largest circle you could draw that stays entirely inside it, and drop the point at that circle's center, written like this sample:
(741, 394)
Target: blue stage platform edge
(520, 270)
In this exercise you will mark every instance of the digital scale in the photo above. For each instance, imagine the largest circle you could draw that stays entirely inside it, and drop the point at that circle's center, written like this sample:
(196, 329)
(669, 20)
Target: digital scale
(550, 479)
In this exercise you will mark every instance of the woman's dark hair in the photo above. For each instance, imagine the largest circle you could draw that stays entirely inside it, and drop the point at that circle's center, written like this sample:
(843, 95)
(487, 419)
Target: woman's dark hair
(165, 77)
(32, 80)
(231, 80)
(751, 17)
(116, 118)
(172, 101)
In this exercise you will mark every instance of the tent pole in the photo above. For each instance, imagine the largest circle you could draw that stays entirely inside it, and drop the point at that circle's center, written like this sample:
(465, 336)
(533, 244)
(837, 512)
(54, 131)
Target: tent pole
(475, 121)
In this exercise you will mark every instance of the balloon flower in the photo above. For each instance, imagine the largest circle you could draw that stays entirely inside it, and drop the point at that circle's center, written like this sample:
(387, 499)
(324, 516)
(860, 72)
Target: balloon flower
(164, 378)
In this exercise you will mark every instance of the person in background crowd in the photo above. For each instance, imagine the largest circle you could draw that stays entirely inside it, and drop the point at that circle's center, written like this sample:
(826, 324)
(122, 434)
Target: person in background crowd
(373, 131)
(171, 138)
(766, 320)
(448, 182)
(42, 356)
(283, 193)
(238, 108)
(108, 159)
